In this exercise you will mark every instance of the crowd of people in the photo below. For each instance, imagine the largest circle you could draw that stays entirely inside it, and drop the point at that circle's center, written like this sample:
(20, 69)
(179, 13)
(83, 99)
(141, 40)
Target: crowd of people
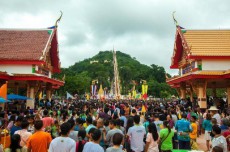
(113, 126)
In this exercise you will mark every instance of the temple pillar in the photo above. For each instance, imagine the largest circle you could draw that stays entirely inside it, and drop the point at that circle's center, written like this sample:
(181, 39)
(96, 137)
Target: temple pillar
(199, 88)
(228, 95)
(31, 87)
(183, 90)
(191, 95)
(201, 93)
(48, 91)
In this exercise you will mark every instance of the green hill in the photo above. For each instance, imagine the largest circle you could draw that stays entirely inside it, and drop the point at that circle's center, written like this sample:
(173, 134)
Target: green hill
(79, 76)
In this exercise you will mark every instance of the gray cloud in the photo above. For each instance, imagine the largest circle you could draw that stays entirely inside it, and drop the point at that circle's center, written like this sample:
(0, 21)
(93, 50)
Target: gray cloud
(142, 28)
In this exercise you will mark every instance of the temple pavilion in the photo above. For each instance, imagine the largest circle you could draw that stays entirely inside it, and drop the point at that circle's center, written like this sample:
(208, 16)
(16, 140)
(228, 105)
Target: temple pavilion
(28, 59)
(202, 58)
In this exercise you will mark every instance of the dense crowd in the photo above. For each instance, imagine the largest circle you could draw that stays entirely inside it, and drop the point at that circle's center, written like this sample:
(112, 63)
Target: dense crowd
(113, 126)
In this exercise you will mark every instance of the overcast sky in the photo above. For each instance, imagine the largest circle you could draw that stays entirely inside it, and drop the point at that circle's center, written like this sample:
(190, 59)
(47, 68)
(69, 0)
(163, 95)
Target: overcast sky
(142, 28)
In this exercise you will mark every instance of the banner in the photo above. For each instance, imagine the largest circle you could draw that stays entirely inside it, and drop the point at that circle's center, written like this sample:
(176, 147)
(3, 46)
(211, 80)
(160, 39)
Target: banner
(134, 93)
(144, 91)
(93, 90)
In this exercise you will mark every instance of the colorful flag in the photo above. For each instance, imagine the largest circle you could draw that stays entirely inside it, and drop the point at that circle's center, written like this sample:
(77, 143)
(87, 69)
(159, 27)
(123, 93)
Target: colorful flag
(134, 93)
(3, 91)
(93, 89)
(101, 91)
(40, 96)
(143, 109)
(144, 91)
(68, 95)
(87, 96)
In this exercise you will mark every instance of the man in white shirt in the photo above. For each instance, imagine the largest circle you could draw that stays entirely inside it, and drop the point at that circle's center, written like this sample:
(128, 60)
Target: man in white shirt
(93, 146)
(136, 134)
(113, 129)
(63, 143)
(218, 139)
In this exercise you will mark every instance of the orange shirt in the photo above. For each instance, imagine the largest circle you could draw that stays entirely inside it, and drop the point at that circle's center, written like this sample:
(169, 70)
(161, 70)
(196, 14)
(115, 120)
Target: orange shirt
(127, 111)
(39, 141)
(193, 134)
(5, 141)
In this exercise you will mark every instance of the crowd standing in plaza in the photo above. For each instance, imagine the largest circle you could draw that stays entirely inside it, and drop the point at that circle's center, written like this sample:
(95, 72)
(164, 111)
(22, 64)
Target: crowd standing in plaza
(113, 126)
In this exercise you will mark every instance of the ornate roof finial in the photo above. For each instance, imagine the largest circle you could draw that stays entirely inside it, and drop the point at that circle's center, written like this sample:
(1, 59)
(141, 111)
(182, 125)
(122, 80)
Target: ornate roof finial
(175, 21)
(58, 20)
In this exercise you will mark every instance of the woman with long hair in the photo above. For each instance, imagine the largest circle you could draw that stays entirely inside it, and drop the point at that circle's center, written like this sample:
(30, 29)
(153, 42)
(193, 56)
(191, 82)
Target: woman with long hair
(166, 135)
(152, 139)
(15, 144)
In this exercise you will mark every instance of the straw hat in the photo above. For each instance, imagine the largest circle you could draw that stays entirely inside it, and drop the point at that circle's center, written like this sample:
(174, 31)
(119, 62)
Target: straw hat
(213, 108)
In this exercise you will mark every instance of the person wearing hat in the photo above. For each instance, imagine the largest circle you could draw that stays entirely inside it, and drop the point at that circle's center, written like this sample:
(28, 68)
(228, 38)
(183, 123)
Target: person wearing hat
(215, 114)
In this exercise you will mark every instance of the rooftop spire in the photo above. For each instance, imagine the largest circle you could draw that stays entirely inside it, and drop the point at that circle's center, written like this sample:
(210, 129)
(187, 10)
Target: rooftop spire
(58, 20)
(175, 21)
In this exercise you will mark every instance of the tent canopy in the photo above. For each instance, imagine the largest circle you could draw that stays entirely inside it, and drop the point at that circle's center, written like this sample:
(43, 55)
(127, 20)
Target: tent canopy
(16, 97)
(2, 100)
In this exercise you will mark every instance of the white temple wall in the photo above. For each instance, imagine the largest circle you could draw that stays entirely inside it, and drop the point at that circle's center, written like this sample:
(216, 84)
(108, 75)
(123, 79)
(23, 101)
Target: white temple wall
(19, 69)
(215, 64)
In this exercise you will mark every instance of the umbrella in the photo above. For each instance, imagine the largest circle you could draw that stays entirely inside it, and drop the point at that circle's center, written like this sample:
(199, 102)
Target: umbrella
(2, 100)
(16, 97)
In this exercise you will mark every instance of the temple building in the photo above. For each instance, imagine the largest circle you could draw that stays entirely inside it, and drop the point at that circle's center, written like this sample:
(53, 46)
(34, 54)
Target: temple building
(28, 59)
(203, 60)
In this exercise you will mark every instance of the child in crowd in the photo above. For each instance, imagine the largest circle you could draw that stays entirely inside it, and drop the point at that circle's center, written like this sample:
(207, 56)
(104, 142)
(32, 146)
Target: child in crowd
(193, 134)
(55, 129)
(117, 140)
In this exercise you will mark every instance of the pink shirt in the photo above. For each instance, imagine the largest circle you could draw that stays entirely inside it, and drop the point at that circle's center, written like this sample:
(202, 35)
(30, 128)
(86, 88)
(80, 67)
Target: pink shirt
(47, 122)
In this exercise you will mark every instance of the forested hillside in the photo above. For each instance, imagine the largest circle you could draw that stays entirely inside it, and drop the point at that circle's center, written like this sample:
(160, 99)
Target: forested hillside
(79, 76)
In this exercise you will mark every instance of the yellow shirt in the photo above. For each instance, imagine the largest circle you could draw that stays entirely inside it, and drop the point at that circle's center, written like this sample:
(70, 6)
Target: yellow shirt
(193, 134)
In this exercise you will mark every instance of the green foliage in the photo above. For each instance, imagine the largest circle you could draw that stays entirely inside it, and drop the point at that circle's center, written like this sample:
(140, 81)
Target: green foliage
(80, 75)
(220, 92)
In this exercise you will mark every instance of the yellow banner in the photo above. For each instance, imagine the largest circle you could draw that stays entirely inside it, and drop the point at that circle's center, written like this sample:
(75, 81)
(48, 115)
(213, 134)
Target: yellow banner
(144, 89)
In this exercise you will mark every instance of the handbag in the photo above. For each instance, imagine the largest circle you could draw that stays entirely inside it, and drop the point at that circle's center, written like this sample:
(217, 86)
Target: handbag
(159, 145)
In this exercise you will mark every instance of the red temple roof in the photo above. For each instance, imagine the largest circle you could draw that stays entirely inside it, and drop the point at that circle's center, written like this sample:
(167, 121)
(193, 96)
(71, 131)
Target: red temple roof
(29, 46)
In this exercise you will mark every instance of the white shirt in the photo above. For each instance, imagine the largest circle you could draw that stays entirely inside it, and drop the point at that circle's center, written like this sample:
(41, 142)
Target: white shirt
(92, 147)
(24, 136)
(218, 118)
(153, 146)
(62, 144)
(136, 134)
(221, 142)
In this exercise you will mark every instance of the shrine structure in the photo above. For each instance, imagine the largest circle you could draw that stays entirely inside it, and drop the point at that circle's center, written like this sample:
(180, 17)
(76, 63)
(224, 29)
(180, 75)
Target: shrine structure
(28, 59)
(203, 60)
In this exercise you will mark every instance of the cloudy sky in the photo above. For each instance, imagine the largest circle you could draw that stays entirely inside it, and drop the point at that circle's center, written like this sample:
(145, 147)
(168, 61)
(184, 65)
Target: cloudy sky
(142, 28)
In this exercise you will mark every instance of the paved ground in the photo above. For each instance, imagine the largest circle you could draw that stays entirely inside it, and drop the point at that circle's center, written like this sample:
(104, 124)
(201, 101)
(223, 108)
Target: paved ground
(201, 143)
